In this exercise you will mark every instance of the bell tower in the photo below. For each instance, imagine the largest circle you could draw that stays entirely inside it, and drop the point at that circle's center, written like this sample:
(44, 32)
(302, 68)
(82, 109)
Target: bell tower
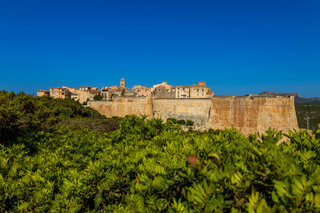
(122, 83)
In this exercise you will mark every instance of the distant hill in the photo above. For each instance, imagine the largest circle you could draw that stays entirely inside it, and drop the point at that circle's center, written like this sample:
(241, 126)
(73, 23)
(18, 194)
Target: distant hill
(280, 94)
(298, 98)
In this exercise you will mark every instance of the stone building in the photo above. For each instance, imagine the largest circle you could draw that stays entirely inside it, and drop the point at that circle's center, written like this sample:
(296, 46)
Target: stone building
(59, 92)
(141, 91)
(182, 92)
(165, 84)
(43, 93)
(200, 90)
(164, 92)
(74, 93)
(120, 91)
(106, 93)
(84, 94)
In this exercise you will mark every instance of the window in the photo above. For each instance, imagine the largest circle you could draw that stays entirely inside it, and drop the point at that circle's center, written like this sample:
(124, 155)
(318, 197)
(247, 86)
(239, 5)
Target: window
(198, 94)
(202, 90)
(197, 90)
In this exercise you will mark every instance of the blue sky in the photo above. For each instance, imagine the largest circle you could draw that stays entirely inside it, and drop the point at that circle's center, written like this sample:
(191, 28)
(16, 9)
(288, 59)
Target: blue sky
(237, 47)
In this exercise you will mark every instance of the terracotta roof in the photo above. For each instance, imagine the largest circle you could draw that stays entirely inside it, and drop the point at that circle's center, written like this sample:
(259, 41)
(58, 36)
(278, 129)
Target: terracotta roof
(84, 87)
(41, 90)
(209, 92)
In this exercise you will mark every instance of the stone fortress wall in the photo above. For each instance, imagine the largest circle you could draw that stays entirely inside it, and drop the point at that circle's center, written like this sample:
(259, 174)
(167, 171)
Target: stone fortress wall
(124, 106)
(247, 113)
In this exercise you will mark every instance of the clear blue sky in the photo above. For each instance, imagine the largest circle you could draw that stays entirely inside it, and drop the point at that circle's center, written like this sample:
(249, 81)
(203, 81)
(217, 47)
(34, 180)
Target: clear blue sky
(237, 47)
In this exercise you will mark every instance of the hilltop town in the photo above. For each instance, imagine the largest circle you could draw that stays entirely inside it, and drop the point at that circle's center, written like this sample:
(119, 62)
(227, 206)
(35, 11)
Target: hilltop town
(159, 91)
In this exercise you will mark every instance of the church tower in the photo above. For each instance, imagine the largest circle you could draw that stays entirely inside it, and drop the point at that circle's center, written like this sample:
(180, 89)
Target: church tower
(122, 83)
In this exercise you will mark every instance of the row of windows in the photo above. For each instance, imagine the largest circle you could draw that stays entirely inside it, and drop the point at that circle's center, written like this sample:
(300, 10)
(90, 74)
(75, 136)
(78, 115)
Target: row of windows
(57, 89)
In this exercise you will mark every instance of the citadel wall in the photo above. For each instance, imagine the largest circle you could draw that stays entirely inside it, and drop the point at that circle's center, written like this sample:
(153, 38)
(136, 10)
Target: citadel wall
(196, 110)
(253, 113)
(124, 106)
(247, 113)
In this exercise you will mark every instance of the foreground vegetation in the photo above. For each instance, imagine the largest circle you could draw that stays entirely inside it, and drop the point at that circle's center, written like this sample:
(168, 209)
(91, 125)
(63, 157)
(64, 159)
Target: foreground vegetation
(149, 166)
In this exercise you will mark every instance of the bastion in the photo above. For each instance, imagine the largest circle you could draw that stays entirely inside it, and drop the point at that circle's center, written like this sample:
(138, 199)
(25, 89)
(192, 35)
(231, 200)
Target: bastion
(248, 113)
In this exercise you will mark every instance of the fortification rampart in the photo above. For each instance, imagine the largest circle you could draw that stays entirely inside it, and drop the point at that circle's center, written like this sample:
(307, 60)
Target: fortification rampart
(123, 106)
(253, 113)
(247, 113)
(196, 110)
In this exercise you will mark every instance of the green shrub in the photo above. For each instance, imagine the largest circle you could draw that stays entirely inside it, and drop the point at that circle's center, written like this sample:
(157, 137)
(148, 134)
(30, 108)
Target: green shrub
(189, 123)
(181, 122)
(97, 97)
(173, 120)
(147, 165)
(21, 113)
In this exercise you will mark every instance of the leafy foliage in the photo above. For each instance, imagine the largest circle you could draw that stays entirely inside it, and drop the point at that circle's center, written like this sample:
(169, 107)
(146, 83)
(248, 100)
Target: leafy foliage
(22, 113)
(98, 97)
(151, 166)
(181, 122)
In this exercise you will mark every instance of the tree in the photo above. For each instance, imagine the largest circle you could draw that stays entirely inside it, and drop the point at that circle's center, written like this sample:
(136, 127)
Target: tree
(98, 97)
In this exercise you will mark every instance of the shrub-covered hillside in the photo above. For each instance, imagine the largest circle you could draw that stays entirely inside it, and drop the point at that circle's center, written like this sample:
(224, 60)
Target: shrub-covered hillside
(151, 166)
(23, 114)
(308, 109)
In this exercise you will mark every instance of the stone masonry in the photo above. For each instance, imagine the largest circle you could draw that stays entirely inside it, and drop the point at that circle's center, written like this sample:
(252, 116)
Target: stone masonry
(248, 113)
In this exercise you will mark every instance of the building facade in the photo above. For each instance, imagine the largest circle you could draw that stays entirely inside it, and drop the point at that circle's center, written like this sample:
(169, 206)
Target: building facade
(141, 91)
(43, 93)
(182, 92)
(200, 90)
(59, 92)
(164, 92)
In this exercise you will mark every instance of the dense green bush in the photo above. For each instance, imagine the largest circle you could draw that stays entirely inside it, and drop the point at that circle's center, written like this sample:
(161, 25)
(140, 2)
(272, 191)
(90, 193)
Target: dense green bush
(172, 120)
(21, 113)
(181, 122)
(144, 166)
(98, 97)
(189, 123)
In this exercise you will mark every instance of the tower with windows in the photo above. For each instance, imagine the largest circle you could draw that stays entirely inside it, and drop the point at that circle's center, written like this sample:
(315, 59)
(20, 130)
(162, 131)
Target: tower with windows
(122, 83)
